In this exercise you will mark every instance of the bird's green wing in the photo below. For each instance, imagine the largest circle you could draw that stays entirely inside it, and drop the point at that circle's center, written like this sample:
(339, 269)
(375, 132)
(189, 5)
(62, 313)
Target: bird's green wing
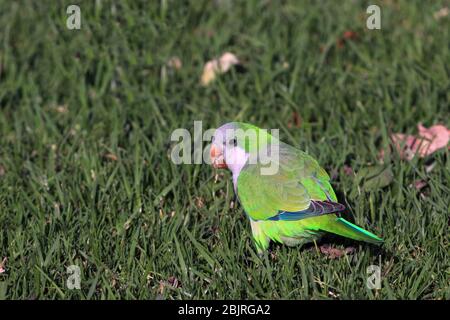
(299, 187)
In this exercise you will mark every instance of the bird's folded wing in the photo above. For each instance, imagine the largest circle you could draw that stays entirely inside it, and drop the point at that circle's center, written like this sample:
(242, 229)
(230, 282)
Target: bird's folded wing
(316, 208)
(300, 189)
(263, 196)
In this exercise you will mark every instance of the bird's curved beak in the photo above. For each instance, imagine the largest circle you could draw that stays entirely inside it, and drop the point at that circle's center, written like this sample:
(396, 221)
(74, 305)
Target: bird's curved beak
(217, 159)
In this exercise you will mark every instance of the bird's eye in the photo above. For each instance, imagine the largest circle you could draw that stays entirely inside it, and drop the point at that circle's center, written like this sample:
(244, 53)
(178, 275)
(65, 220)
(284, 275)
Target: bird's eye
(212, 139)
(233, 142)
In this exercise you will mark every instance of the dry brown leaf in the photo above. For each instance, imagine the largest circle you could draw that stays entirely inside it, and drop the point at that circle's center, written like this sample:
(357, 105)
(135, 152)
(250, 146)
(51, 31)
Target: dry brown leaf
(348, 170)
(350, 35)
(199, 202)
(334, 253)
(406, 145)
(442, 13)
(419, 184)
(173, 282)
(340, 43)
(296, 120)
(346, 36)
(62, 108)
(273, 256)
(175, 63)
(428, 141)
(2, 265)
(438, 135)
(111, 156)
(161, 287)
(218, 66)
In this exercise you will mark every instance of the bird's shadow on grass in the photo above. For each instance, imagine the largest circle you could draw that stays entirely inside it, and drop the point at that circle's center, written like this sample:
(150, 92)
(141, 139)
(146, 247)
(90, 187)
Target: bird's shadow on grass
(336, 241)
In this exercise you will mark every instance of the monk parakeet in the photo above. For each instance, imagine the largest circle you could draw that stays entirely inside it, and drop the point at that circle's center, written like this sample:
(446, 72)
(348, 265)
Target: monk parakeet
(295, 203)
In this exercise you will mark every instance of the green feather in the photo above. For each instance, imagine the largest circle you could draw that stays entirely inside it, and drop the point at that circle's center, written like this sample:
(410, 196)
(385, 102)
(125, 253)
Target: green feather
(357, 233)
(299, 180)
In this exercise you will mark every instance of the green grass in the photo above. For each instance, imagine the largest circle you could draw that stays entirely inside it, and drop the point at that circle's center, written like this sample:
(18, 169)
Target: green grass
(133, 223)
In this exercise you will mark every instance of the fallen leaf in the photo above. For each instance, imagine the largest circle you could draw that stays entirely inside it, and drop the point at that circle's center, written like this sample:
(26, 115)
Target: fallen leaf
(213, 230)
(273, 256)
(62, 109)
(346, 36)
(348, 170)
(333, 253)
(442, 13)
(428, 141)
(296, 120)
(111, 156)
(175, 63)
(340, 43)
(350, 35)
(406, 145)
(438, 135)
(173, 282)
(2, 265)
(218, 66)
(161, 287)
(419, 184)
(199, 202)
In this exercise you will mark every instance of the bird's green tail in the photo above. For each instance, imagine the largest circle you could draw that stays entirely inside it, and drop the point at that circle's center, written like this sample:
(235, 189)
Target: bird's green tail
(344, 228)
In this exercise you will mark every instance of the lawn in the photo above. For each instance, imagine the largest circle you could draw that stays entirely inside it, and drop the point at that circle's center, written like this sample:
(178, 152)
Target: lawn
(86, 118)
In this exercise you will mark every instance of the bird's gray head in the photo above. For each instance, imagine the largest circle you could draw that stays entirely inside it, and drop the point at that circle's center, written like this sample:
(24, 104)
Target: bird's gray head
(225, 151)
(233, 143)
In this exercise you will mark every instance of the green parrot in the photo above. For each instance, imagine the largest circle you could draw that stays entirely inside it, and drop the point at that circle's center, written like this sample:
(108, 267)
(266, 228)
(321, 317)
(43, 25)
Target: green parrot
(288, 199)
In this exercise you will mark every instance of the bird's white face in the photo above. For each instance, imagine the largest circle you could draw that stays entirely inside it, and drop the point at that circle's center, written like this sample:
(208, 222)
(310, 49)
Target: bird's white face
(225, 151)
